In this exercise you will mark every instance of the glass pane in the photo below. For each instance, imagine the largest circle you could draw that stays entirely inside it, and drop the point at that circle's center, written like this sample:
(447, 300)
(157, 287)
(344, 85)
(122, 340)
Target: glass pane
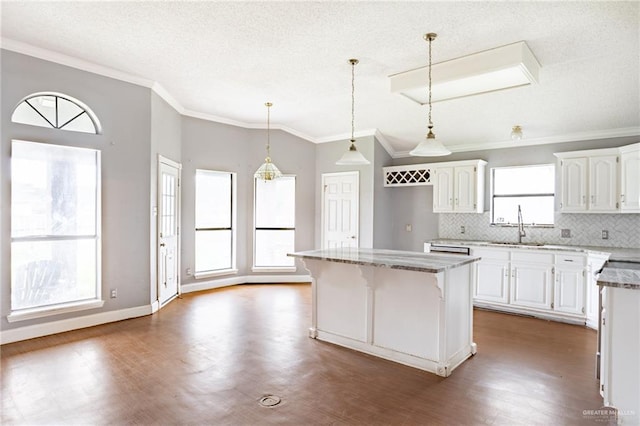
(80, 124)
(53, 190)
(50, 272)
(276, 203)
(272, 247)
(67, 110)
(168, 208)
(539, 179)
(213, 199)
(535, 210)
(46, 105)
(26, 115)
(213, 250)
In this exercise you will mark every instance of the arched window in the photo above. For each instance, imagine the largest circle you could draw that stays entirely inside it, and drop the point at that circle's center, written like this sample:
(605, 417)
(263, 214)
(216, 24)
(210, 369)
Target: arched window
(58, 111)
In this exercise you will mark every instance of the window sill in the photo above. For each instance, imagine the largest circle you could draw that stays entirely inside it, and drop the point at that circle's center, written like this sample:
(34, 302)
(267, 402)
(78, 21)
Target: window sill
(32, 313)
(274, 269)
(209, 274)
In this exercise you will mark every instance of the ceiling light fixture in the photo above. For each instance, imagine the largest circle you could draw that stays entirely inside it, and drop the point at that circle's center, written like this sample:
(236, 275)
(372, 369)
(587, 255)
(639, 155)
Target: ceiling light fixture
(430, 147)
(504, 67)
(516, 133)
(268, 171)
(352, 157)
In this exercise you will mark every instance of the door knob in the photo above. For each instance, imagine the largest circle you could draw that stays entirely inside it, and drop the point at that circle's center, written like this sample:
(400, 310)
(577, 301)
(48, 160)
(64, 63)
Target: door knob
(161, 244)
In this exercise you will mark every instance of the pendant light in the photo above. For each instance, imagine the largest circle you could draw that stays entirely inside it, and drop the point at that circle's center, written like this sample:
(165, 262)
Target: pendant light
(352, 157)
(431, 147)
(268, 171)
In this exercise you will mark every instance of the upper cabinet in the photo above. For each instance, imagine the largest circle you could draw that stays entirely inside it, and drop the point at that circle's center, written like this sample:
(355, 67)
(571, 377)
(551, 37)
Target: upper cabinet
(600, 180)
(630, 178)
(458, 187)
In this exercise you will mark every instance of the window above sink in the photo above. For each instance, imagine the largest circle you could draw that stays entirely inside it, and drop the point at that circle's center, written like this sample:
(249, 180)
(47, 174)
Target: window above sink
(532, 188)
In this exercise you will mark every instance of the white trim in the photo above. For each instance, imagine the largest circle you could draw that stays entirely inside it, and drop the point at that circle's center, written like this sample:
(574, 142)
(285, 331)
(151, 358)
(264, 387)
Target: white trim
(27, 314)
(60, 326)
(273, 269)
(81, 64)
(209, 274)
(246, 279)
(73, 62)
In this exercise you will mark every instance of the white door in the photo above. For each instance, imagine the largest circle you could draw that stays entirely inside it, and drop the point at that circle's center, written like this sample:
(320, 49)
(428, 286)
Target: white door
(443, 189)
(603, 183)
(531, 285)
(465, 189)
(340, 201)
(574, 184)
(569, 290)
(168, 229)
(630, 181)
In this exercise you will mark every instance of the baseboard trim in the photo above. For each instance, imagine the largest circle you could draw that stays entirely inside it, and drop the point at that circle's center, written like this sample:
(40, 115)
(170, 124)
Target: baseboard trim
(246, 279)
(60, 326)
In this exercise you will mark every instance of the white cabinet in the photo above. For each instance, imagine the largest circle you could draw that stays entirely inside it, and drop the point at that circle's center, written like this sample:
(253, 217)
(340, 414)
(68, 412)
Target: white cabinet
(540, 282)
(492, 282)
(568, 286)
(589, 181)
(458, 187)
(531, 279)
(574, 172)
(603, 183)
(630, 178)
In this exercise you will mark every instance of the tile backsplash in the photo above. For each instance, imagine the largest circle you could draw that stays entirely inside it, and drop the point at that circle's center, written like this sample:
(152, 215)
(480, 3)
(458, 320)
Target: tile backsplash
(585, 229)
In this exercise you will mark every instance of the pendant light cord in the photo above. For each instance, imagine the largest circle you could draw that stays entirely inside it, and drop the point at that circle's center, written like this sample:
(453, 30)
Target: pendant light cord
(268, 105)
(353, 97)
(430, 40)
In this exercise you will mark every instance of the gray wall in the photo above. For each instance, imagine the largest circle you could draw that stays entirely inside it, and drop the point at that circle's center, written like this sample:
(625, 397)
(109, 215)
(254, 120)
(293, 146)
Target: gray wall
(215, 146)
(166, 135)
(383, 209)
(124, 111)
(447, 225)
(326, 156)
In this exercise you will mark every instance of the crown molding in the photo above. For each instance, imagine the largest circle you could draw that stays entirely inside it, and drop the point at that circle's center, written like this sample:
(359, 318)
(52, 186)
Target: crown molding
(73, 62)
(623, 132)
(382, 139)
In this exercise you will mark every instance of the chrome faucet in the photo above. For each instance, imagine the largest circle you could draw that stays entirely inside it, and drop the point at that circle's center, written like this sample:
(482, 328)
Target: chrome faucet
(521, 232)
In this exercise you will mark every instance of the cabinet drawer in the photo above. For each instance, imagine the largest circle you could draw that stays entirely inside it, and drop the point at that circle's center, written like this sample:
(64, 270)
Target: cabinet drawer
(531, 256)
(570, 260)
(491, 254)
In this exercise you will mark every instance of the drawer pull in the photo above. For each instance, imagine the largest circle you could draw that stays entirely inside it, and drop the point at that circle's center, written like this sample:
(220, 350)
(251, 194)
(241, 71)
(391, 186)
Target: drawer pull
(568, 260)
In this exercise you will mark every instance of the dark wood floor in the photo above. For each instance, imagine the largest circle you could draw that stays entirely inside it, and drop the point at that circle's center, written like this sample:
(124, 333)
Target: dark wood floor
(209, 357)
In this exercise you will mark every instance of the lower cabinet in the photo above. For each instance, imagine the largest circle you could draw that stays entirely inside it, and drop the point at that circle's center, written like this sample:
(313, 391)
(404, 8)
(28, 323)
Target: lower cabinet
(539, 282)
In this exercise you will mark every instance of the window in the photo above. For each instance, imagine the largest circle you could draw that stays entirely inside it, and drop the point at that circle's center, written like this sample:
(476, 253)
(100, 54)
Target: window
(56, 111)
(55, 226)
(215, 222)
(530, 187)
(274, 216)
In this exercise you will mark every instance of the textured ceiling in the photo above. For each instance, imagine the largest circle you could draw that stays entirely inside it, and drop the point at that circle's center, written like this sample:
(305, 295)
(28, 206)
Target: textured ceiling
(225, 59)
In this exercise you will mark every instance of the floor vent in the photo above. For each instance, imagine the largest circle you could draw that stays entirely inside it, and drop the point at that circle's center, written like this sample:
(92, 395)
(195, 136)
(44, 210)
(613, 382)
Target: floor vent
(269, 400)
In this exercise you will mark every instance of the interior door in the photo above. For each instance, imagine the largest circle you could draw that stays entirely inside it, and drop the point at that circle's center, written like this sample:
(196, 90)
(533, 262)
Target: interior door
(340, 204)
(168, 230)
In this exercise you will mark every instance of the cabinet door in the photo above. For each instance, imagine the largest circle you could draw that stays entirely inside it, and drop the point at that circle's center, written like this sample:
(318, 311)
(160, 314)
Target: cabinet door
(603, 183)
(465, 189)
(443, 189)
(568, 293)
(574, 184)
(630, 181)
(492, 284)
(531, 285)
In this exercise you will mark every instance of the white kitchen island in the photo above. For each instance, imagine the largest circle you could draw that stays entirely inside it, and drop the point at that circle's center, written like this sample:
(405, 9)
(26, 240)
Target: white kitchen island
(409, 307)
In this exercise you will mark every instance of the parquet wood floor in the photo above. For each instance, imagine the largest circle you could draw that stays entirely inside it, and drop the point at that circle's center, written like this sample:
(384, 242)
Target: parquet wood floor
(207, 358)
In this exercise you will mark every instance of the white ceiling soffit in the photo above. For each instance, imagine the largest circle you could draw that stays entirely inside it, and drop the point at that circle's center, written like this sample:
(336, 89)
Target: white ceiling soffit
(501, 68)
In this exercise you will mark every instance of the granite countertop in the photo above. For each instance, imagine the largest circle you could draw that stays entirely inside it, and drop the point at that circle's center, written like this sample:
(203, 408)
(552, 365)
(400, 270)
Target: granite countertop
(393, 259)
(615, 253)
(620, 275)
